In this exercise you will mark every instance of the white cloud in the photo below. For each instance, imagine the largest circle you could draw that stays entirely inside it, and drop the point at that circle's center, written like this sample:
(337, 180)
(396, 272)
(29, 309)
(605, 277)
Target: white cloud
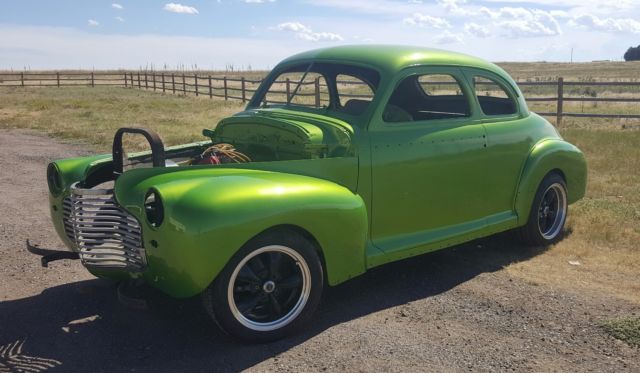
(453, 7)
(423, 20)
(116, 6)
(293, 26)
(522, 22)
(93, 23)
(119, 19)
(475, 29)
(258, 1)
(592, 22)
(448, 37)
(179, 8)
(596, 4)
(306, 33)
(320, 36)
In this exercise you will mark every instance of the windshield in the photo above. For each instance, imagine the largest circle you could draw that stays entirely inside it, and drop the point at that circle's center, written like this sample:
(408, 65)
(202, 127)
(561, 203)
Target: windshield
(330, 87)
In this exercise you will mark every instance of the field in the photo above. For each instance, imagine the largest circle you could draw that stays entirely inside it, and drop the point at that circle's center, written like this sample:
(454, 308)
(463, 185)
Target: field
(596, 266)
(604, 228)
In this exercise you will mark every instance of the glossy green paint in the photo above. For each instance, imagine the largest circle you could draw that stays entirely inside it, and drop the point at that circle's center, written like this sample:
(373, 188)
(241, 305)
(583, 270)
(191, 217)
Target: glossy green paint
(367, 192)
(211, 213)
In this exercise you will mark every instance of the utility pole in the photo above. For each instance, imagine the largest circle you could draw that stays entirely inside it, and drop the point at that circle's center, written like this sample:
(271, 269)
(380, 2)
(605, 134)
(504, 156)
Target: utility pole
(571, 54)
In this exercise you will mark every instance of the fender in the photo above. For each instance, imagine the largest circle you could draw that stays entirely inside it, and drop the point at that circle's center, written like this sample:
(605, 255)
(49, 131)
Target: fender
(546, 156)
(211, 212)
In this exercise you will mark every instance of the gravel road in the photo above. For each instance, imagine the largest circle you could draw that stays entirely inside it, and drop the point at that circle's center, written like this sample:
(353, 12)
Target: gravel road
(454, 310)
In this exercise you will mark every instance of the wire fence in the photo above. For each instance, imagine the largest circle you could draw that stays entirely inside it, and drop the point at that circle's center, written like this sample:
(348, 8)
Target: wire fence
(555, 94)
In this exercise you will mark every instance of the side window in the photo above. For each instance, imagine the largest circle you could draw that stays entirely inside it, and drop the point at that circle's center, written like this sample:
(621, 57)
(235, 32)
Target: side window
(493, 98)
(354, 94)
(285, 85)
(427, 97)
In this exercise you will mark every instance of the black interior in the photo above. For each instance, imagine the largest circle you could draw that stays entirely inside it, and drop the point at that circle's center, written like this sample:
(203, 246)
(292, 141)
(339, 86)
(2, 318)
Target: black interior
(412, 99)
(496, 105)
(355, 106)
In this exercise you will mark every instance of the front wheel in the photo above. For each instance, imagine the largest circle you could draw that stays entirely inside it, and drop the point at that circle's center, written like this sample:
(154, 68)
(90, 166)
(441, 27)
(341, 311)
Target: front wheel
(270, 288)
(548, 213)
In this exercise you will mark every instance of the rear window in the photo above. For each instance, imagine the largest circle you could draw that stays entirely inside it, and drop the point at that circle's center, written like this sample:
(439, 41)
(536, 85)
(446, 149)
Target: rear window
(493, 97)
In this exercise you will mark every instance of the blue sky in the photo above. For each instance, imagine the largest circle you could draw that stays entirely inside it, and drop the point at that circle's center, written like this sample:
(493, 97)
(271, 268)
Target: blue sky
(213, 34)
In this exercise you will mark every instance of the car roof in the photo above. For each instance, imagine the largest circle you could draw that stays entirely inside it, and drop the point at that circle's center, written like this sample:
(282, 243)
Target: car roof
(393, 58)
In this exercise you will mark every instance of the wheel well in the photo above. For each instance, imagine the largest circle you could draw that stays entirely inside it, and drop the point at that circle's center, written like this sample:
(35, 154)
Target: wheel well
(556, 171)
(290, 228)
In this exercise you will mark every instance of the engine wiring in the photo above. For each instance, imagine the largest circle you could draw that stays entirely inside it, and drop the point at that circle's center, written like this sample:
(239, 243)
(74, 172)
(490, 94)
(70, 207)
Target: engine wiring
(220, 153)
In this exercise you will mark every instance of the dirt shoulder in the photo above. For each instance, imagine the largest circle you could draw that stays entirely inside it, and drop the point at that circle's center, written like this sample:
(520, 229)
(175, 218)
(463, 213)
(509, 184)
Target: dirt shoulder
(455, 310)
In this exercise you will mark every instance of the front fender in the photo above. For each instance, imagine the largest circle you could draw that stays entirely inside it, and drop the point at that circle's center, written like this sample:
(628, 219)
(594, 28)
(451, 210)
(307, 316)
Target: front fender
(546, 156)
(210, 213)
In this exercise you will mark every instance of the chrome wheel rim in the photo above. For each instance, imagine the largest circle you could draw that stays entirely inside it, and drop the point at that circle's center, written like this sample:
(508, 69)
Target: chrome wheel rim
(552, 211)
(269, 288)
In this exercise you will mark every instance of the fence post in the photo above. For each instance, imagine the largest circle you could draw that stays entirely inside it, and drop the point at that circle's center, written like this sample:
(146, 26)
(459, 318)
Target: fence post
(22, 79)
(226, 96)
(154, 81)
(139, 86)
(146, 80)
(210, 88)
(162, 82)
(317, 91)
(195, 79)
(126, 83)
(184, 86)
(560, 101)
(173, 83)
(244, 94)
(58, 78)
(131, 74)
(93, 82)
(288, 90)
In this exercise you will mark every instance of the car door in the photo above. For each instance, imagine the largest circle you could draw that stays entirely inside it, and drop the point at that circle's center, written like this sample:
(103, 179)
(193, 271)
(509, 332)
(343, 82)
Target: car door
(509, 139)
(428, 161)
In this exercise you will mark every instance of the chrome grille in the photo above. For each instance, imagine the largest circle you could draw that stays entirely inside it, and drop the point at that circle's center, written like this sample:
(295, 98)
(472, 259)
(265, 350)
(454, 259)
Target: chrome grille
(105, 234)
(67, 208)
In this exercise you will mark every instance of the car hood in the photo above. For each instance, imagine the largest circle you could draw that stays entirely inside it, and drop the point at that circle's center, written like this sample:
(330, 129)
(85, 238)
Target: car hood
(289, 133)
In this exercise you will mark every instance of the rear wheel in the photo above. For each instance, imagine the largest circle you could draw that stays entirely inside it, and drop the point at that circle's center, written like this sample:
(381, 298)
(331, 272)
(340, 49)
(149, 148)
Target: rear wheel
(268, 289)
(548, 213)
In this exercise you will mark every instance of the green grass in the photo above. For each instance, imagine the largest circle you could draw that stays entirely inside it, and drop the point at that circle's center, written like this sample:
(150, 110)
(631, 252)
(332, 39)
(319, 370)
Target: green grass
(627, 330)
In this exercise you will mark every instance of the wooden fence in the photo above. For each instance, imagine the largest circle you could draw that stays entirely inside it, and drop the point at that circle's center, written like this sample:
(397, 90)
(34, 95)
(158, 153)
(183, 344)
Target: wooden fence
(241, 88)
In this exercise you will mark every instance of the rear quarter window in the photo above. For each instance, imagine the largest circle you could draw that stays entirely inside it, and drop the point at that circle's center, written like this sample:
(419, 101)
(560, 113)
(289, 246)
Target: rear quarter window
(493, 98)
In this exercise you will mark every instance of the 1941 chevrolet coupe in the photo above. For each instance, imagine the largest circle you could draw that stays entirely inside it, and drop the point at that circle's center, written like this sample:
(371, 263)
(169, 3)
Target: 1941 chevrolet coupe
(345, 159)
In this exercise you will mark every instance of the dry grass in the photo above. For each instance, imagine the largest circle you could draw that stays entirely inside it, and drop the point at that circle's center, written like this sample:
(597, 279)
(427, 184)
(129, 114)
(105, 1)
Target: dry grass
(604, 228)
(605, 70)
(93, 114)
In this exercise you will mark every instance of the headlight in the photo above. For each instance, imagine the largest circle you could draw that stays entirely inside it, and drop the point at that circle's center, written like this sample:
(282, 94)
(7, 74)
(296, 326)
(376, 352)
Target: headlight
(54, 179)
(153, 208)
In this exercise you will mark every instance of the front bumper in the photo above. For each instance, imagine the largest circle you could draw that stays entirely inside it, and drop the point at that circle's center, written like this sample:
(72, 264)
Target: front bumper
(48, 255)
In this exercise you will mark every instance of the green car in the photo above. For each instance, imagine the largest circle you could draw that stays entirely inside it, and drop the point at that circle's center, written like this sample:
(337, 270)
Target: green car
(345, 159)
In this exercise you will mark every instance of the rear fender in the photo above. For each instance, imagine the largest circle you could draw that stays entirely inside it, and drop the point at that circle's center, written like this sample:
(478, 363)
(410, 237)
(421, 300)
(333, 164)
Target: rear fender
(547, 156)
